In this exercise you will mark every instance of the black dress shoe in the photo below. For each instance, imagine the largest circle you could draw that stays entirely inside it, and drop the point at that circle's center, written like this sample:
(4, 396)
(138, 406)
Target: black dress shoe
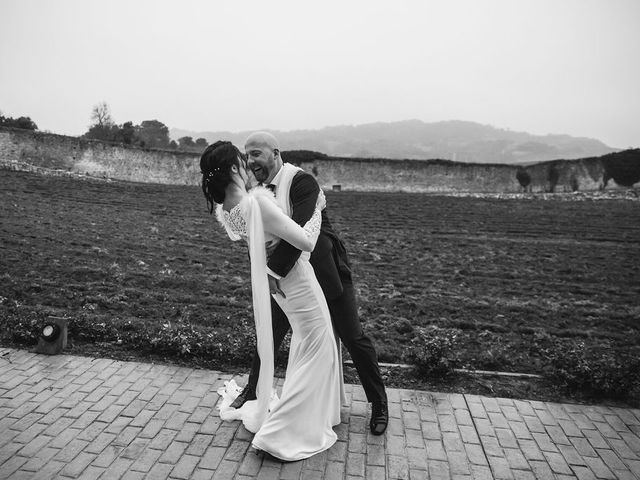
(379, 418)
(248, 393)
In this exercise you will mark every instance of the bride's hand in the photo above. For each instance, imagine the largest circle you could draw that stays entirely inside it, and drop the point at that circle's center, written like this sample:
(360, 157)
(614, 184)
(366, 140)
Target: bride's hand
(321, 202)
(274, 287)
(271, 246)
(251, 181)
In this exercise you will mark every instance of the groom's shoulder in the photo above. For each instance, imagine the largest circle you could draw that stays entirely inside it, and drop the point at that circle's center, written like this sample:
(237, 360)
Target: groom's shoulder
(304, 181)
(302, 175)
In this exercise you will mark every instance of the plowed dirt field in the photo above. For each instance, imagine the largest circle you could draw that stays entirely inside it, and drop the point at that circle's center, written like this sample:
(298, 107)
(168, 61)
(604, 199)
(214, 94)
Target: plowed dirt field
(505, 272)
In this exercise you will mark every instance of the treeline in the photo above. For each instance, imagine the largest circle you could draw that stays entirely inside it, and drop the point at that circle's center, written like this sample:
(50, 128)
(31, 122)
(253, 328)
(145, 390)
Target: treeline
(21, 122)
(297, 157)
(149, 134)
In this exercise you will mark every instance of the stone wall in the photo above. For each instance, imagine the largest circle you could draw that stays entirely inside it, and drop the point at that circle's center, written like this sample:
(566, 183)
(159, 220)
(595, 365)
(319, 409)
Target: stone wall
(99, 159)
(443, 176)
(413, 175)
(21, 149)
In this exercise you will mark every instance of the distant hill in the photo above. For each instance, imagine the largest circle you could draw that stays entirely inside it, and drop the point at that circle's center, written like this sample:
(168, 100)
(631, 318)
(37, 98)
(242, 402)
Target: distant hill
(413, 139)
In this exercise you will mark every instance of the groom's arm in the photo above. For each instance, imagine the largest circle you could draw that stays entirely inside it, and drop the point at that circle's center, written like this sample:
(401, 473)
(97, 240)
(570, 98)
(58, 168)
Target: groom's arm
(304, 195)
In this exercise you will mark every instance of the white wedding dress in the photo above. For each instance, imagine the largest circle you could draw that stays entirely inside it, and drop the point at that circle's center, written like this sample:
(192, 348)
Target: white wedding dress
(299, 424)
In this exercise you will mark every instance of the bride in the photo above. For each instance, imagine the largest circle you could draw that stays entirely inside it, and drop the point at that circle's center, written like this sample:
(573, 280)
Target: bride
(299, 423)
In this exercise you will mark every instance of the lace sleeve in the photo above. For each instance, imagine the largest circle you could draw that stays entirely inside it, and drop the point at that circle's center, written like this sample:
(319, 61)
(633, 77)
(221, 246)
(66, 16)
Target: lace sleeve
(312, 227)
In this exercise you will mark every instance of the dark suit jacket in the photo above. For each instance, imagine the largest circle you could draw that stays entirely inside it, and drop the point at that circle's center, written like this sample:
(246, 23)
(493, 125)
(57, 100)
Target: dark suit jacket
(329, 258)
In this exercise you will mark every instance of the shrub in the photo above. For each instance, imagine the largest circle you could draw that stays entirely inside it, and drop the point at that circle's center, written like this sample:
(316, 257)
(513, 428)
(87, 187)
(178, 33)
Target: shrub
(185, 339)
(575, 184)
(403, 326)
(174, 339)
(523, 177)
(431, 351)
(21, 328)
(623, 167)
(26, 331)
(88, 329)
(601, 370)
(553, 175)
(493, 351)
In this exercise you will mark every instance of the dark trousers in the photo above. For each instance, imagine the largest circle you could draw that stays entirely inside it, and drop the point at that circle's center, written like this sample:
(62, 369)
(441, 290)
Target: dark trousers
(344, 316)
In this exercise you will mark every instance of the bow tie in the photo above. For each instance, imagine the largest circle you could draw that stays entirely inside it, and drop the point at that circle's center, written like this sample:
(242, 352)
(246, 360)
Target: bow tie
(271, 187)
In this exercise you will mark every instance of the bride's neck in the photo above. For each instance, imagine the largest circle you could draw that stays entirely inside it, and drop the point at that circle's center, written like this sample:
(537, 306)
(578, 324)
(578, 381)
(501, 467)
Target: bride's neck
(233, 194)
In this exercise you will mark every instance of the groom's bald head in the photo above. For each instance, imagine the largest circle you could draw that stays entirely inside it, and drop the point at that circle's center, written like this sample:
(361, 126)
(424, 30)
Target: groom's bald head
(263, 156)
(261, 140)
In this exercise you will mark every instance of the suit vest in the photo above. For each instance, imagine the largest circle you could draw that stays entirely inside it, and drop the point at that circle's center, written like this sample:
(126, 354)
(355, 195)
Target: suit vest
(287, 172)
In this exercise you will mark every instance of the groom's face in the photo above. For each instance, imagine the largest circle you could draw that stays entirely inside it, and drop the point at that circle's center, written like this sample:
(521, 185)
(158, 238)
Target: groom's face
(263, 162)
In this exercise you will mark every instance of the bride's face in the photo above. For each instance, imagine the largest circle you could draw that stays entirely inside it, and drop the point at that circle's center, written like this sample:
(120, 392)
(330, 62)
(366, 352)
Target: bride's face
(246, 174)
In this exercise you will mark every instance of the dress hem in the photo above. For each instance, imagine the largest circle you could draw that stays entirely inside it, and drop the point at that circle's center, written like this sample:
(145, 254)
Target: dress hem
(297, 458)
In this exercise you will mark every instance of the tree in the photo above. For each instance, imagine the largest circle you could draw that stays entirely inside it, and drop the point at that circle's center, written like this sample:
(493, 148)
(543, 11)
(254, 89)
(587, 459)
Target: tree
(102, 126)
(105, 133)
(127, 134)
(100, 115)
(153, 134)
(201, 143)
(186, 143)
(21, 122)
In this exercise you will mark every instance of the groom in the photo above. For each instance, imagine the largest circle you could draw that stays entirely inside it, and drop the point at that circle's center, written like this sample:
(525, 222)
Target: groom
(332, 269)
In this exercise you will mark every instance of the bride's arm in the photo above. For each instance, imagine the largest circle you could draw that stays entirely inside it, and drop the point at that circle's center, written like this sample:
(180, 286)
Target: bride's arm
(277, 223)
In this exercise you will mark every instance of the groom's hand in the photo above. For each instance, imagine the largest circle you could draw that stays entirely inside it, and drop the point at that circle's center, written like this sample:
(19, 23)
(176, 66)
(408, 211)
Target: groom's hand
(274, 286)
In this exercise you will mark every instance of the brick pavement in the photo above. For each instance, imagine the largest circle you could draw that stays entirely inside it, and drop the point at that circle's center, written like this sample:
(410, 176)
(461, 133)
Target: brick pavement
(77, 417)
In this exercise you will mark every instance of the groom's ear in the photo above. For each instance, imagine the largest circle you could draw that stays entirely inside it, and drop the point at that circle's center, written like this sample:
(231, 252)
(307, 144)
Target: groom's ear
(276, 152)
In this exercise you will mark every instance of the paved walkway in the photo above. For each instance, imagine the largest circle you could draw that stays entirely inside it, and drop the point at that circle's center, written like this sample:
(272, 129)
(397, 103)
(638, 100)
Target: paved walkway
(76, 417)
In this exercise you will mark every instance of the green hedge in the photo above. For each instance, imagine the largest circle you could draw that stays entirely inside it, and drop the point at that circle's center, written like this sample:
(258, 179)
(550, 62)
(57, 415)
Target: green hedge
(601, 370)
(432, 351)
(171, 338)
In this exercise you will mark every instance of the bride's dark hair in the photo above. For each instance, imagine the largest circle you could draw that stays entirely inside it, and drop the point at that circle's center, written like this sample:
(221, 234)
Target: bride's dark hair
(215, 165)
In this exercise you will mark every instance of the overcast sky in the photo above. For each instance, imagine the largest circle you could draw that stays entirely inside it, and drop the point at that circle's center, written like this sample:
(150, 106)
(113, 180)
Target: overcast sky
(540, 66)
